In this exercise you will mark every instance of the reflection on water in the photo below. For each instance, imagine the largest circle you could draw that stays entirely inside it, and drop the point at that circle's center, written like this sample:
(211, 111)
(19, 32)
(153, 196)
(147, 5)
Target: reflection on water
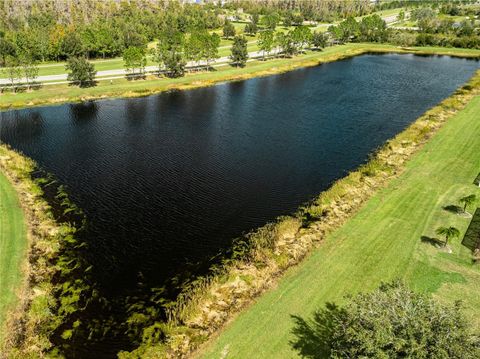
(170, 179)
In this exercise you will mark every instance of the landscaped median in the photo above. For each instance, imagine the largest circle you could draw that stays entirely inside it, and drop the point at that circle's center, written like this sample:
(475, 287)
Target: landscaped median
(368, 228)
(55, 94)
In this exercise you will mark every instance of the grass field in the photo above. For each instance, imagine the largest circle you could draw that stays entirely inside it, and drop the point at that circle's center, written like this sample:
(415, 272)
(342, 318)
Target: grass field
(13, 244)
(382, 242)
(124, 88)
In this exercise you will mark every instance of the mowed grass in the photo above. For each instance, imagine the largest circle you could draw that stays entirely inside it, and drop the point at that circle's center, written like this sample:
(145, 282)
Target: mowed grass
(381, 243)
(13, 245)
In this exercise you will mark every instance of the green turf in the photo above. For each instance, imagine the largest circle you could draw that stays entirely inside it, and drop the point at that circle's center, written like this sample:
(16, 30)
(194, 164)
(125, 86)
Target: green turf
(382, 242)
(13, 244)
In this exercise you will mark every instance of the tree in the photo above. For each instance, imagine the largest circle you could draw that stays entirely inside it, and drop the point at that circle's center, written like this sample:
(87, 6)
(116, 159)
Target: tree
(251, 29)
(81, 72)
(211, 49)
(319, 40)
(372, 28)
(350, 28)
(228, 30)
(346, 30)
(390, 322)
(135, 59)
(170, 42)
(401, 15)
(239, 54)
(285, 43)
(175, 63)
(448, 232)
(466, 28)
(297, 20)
(72, 45)
(160, 53)
(194, 47)
(30, 70)
(467, 201)
(13, 71)
(271, 20)
(402, 38)
(266, 41)
(255, 17)
(300, 36)
(288, 19)
(7, 48)
(106, 39)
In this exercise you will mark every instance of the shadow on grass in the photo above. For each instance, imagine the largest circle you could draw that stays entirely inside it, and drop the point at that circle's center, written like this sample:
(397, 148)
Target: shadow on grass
(433, 241)
(453, 209)
(237, 65)
(135, 77)
(313, 337)
(84, 84)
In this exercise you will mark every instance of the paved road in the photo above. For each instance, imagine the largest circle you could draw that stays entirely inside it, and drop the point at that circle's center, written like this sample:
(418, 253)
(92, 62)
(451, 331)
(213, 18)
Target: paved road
(118, 73)
(110, 73)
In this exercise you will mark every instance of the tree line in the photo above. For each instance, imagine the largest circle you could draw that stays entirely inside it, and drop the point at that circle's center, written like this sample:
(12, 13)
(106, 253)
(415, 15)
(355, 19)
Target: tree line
(183, 34)
(432, 30)
(108, 29)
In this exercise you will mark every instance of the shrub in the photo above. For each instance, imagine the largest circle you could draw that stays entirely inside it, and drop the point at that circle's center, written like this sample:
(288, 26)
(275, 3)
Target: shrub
(391, 322)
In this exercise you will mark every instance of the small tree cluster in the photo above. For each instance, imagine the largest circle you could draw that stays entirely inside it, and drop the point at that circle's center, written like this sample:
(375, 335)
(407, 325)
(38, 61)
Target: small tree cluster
(80, 72)
(21, 69)
(251, 29)
(239, 50)
(266, 41)
(391, 322)
(135, 60)
(292, 18)
(271, 20)
(452, 232)
(319, 40)
(295, 41)
(371, 28)
(228, 30)
(175, 49)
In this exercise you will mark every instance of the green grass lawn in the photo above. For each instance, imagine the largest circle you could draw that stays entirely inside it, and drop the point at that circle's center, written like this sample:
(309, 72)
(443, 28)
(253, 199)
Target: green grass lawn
(13, 245)
(382, 242)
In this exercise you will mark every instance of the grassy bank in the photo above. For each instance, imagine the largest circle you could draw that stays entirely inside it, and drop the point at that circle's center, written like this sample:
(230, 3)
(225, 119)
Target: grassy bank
(56, 94)
(13, 245)
(381, 242)
(38, 274)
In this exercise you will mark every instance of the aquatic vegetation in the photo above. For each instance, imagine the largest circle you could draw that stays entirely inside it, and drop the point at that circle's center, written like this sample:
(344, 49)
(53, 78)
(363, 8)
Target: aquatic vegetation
(56, 285)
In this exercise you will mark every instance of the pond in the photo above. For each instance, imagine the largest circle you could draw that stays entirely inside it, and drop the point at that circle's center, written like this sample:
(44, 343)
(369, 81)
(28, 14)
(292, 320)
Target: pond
(171, 179)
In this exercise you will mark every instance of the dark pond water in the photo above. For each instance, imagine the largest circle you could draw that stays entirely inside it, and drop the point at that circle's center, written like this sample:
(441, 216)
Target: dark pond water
(172, 178)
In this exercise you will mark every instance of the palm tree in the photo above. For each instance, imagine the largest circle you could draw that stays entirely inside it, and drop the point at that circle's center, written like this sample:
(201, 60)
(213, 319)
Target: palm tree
(448, 232)
(467, 201)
